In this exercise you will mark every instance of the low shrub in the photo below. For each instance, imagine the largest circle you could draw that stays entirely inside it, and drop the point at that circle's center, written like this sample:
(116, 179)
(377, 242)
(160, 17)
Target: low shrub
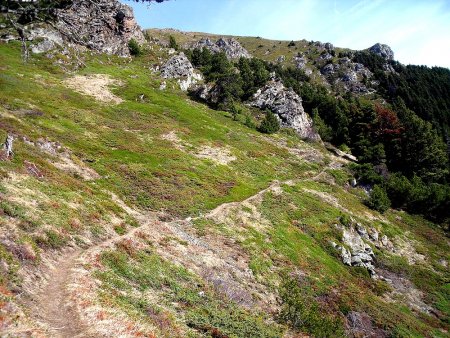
(134, 48)
(270, 124)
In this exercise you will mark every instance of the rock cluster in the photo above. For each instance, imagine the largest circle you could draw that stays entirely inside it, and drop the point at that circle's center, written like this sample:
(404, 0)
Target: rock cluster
(287, 106)
(207, 92)
(350, 75)
(230, 46)
(104, 26)
(300, 61)
(359, 253)
(179, 67)
(382, 50)
(356, 250)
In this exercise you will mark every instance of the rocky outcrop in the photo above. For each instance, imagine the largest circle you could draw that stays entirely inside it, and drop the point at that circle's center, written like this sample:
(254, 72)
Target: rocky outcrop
(176, 67)
(230, 46)
(300, 61)
(357, 242)
(207, 92)
(382, 50)
(361, 253)
(348, 75)
(287, 106)
(50, 39)
(179, 67)
(104, 26)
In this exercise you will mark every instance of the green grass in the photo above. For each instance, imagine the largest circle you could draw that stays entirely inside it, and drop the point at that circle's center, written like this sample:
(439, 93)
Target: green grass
(123, 144)
(199, 310)
(298, 239)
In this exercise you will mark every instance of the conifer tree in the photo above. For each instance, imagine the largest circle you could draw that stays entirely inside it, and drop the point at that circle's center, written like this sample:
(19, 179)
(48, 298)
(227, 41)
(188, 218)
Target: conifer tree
(270, 124)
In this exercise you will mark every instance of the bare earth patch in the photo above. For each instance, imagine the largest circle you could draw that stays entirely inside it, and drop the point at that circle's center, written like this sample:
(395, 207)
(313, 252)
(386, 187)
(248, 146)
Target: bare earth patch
(403, 289)
(173, 138)
(218, 155)
(68, 165)
(96, 85)
(405, 247)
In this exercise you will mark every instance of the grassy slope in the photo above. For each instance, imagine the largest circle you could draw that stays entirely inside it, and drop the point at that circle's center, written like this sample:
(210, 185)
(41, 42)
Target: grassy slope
(123, 144)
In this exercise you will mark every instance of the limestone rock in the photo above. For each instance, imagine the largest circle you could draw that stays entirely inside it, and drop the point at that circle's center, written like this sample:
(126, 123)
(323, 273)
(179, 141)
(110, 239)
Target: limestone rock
(382, 50)
(207, 92)
(325, 56)
(287, 106)
(349, 75)
(231, 47)
(361, 231)
(104, 26)
(361, 253)
(346, 256)
(386, 243)
(179, 67)
(373, 235)
(329, 69)
(300, 62)
(51, 40)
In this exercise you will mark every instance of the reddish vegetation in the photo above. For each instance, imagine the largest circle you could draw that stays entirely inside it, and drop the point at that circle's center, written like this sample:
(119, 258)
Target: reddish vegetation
(387, 122)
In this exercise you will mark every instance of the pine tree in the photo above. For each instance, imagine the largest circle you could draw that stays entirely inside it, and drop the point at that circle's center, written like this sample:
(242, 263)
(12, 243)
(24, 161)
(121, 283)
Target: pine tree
(270, 124)
(173, 43)
(379, 199)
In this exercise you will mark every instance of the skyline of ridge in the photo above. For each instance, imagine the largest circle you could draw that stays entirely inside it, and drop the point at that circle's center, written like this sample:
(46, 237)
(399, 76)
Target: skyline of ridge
(421, 35)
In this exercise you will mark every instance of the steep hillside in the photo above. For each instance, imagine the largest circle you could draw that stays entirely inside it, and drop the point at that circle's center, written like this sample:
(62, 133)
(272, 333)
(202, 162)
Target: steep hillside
(129, 207)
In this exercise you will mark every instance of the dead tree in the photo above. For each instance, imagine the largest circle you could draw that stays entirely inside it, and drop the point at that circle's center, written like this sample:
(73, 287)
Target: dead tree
(8, 146)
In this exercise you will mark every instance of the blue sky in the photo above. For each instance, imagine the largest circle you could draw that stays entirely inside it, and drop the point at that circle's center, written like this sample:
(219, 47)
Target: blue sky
(417, 30)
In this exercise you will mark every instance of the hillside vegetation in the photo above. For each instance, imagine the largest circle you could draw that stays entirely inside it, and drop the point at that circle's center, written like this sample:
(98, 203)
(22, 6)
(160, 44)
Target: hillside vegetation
(128, 209)
(391, 117)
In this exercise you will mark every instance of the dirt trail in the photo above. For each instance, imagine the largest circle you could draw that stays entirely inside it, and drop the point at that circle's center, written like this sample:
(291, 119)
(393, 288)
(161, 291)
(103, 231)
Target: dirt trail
(53, 307)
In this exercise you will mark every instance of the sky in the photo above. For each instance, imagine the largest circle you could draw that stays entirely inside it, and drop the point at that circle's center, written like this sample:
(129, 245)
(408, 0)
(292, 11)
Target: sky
(418, 31)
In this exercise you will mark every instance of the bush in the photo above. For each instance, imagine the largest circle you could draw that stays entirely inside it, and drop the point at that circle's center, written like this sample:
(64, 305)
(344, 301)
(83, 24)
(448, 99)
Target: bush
(173, 43)
(270, 124)
(134, 48)
(365, 173)
(379, 199)
(235, 111)
(249, 122)
(399, 190)
(345, 220)
(291, 44)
